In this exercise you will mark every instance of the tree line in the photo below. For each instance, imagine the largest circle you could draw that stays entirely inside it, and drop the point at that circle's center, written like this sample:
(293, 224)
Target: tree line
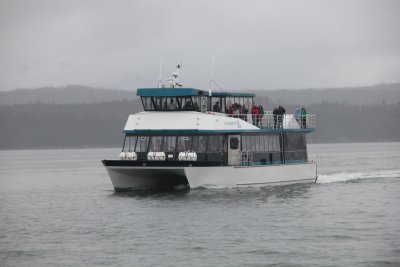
(42, 125)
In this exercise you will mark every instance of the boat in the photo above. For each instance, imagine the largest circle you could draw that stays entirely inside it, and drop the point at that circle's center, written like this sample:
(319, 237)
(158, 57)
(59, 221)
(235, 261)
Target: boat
(191, 138)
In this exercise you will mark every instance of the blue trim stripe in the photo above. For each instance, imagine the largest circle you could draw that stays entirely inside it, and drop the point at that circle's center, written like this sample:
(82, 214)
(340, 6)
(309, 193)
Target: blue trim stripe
(165, 92)
(277, 162)
(183, 131)
(222, 94)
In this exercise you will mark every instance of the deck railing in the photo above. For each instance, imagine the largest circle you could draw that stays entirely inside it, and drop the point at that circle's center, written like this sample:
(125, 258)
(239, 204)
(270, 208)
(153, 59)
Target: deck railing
(246, 158)
(271, 121)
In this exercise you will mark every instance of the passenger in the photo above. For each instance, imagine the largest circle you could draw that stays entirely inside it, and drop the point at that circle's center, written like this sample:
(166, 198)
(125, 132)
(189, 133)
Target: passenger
(172, 105)
(261, 113)
(244, 111)
(236, 110)
(255, 114)
(297, 115)
(188, 106)
(303, 115)
(216, 107)
(281, 113)
(275, 113)
(196, 106)
(165, 106)
(230, 111)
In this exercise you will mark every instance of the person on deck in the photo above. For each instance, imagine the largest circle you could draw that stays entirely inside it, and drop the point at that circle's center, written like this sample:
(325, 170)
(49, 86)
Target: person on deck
(303, 115)
(188, 106)
(244, 111)
(255, 114)
(275, 113)
(281, 113)
(261, 113)
(297, 115)
(172, 105)
(216, 107)
(230, 111)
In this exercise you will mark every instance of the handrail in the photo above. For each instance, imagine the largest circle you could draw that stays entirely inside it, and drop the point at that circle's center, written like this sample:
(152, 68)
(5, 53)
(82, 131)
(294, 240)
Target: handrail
(246, 158)
(271, 121)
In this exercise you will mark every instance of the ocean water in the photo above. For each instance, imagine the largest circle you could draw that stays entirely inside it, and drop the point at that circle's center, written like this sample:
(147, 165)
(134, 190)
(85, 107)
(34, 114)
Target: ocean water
(58, 208)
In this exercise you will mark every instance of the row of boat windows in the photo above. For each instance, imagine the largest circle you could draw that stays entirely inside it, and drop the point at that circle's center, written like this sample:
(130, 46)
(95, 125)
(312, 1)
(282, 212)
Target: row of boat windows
(259, 143)
(196, 103)
(210, 144)
(198, 144)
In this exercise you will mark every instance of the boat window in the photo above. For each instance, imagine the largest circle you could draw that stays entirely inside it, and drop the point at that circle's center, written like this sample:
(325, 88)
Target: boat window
(256, 144)
(187, 103)
(246, 143)
(216, 107)
(260, 143)
(147, 103)
(295, 142)
(172, 103)
(234, 143)
(155, 144)
(184, 143)
(129, 144)
(223, 105)
(215, 144)
(204, 103)
(272, 143)
(199, 144)
(169, 143)
(141, 144)
(162, 103)
(196, 103)
(228, 104)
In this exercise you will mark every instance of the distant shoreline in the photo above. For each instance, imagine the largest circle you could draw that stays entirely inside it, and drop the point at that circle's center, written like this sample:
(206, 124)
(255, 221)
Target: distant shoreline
(119, 147)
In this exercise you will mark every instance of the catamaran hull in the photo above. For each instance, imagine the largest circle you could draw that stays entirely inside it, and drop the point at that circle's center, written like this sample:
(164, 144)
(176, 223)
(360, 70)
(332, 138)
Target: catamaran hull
(148, 178)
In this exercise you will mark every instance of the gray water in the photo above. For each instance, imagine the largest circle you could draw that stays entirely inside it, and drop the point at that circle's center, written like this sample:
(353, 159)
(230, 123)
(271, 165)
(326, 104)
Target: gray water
(58, 208)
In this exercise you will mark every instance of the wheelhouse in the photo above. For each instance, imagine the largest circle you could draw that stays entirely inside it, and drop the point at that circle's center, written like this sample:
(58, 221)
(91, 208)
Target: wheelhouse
(190, 99)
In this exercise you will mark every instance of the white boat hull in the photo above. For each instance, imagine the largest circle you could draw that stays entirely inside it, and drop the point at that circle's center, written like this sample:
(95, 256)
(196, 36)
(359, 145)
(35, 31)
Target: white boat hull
(252, 175)
(138, 177)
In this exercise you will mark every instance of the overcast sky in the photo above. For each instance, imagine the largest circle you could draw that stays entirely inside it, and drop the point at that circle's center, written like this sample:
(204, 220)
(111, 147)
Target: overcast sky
(257, 44)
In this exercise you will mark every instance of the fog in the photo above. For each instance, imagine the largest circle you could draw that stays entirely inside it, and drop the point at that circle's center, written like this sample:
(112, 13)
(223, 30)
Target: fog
(256, 44)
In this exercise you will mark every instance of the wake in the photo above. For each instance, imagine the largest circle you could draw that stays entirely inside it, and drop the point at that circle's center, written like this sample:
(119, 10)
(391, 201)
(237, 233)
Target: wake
(348, 176)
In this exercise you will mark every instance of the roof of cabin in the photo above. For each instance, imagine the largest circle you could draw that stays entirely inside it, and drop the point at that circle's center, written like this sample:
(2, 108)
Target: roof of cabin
(165, 92)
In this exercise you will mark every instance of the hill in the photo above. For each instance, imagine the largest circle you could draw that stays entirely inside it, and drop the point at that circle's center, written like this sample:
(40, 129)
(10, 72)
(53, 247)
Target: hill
(366, 95)
(71, 94)
(76, 94)
(100, 124)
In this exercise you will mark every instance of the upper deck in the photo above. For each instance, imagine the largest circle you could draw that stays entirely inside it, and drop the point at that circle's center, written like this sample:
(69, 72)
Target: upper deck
(233, 105)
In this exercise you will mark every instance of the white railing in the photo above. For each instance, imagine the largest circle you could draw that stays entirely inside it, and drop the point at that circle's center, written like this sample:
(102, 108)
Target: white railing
(271, 121)
(246, 158)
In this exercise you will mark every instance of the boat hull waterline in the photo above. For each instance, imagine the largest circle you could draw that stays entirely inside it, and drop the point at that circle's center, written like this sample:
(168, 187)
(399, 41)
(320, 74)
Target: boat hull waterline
(144, 178)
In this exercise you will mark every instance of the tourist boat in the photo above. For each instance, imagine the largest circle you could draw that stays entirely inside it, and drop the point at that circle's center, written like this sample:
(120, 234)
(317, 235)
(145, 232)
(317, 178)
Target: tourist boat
(184, 138)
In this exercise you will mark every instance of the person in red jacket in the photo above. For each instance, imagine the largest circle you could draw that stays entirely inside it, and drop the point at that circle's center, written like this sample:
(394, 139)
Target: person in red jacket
(255, 114)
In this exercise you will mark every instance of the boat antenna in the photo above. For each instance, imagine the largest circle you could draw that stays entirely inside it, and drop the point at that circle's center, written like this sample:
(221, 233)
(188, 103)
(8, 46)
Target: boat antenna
(212, 75)
(160, 83)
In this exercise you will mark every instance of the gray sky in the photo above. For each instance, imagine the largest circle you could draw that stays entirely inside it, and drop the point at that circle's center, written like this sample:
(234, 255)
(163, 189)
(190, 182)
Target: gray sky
(257, 44)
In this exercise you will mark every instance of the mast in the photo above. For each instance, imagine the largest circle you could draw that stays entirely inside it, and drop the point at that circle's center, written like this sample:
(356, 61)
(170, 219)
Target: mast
(212, 75)
(159, 77)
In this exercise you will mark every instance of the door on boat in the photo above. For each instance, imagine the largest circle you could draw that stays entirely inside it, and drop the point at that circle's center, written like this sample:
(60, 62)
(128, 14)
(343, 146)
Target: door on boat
(234, 150)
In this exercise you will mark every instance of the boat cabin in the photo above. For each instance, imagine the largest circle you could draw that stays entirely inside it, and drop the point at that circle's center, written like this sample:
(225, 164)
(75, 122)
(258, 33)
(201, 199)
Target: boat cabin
(223, 149)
